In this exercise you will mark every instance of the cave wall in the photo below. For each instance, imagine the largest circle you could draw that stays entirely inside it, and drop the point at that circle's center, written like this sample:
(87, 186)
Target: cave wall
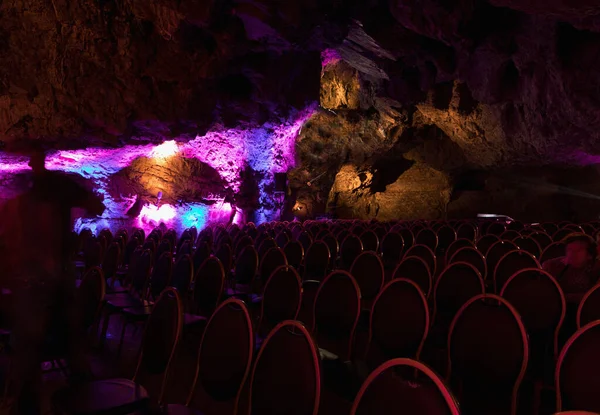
(376, 109)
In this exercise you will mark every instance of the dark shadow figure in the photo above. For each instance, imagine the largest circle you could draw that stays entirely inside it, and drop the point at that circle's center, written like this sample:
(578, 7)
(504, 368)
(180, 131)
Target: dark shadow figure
(248, 197)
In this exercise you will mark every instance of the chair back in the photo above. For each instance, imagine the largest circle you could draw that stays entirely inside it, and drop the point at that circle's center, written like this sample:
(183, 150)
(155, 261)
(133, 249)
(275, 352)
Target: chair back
(333, 245)
(265, 246)
(399, 322)
(484, 243)
(496, 228)
(316, 261)
(294, 252)
(224, 357)
(528, 244)
(246, 265)
(112, 257)
(370, 241)
(305, 239)
(578, 371)
(161, 336)
(273, 259)
(542, 238)
(183, 272)
(90, 296)
(456, 246)
(282, 296)
(488, 352)
(496, 252)
(457, 284)
(282, 239)
(307, 305)
(427, 237)
(132, 244)
(552, 251)
(511, 263)
(510, 235)
(540, 302)
(368, 272)
(446, 236)
(286, 378)
(426, 254)
(392, 248)
(415, 269)
(473, 257)
(141, 274)
(349, 250)
(404, 386)
(161, 274)
(336, 311)
(561, 234)
(225, 256)
(184, 249)
(589, 307)
(208, 286)
(201, 254)
(163, 246)
(243, 242)
(466, 231)
(408, 237)
(92, 252)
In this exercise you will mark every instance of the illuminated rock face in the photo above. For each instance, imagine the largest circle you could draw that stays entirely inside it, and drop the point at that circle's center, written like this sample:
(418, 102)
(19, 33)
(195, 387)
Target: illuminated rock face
(416, 96)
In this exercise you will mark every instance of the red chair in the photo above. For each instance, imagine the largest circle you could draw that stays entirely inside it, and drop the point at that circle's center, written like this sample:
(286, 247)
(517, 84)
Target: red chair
(511, 263)
(466, 231)
(208, 290)
(281, 300)
(404, 386)
(484, 243)
(273, 259)
(265, 246)
(399, 323)
(224, 361)
(183, 271)
(496, 252)
(392, 248)
(305, 239)
(368, 272)
(446, 237)
(336, 312)
(226, 257)
(561, 234)
(333, 245)
(294, 252)
(510, 235)
(246, 268)
(457, 284)
(370, 241)
(455, 246)
(286, 378)
(427, 237)
(542, 238)
(589, 307)
(578, 371)
(124, 396)
(488, 353)
(316, 261)
(473, 257)
(407, 236)
(496, 228)
(426, 254)
(528, 244)
(307, 305)
(416, 270)
(349, 250)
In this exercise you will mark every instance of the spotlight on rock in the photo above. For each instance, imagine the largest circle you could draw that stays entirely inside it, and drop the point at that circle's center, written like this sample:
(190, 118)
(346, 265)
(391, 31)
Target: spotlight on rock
(165, 150)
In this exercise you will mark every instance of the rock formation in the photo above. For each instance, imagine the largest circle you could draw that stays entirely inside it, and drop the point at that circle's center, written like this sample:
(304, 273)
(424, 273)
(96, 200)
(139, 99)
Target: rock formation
(428, 108)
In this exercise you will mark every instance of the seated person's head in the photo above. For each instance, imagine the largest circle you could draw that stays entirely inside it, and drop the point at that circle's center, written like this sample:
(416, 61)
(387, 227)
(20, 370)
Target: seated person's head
(580, 249)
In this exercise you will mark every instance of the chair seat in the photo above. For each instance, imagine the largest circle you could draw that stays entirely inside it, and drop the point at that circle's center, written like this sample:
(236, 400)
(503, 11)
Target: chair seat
(123, 301)
(192, 319)
(119, 396)
(180, 410)
(141, 312)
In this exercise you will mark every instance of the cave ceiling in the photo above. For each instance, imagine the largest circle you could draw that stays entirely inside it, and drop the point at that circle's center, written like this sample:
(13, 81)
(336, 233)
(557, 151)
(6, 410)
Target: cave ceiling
(453, 83)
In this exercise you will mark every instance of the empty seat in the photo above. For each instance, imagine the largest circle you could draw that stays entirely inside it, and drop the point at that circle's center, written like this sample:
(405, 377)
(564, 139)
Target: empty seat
(208, 288)
(316, 261)
(404, 386)
(294, 252)
(286, 378)
(510, 235)
(399, 323)
(496, 252)
(349, 250)
(455, 246)
(416, 270)
(368, 272)
(333, 245)
(307, 306)
(484, 243)
(426, 254)
(495, 228)
(427, 237)
(392, 248)
(543, 239)
(473, 257)
(578, 371)
(488, 352)
(589, 307)
(282, 296)
(336, 311)
(511, 263)
(370, 241)
(305, 239)
(466, 231)
(273, 259)
(529, 245)
(407, 236)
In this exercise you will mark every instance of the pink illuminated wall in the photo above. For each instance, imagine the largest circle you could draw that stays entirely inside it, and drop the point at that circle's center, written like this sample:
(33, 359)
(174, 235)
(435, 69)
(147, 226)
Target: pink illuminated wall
(267, 149)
